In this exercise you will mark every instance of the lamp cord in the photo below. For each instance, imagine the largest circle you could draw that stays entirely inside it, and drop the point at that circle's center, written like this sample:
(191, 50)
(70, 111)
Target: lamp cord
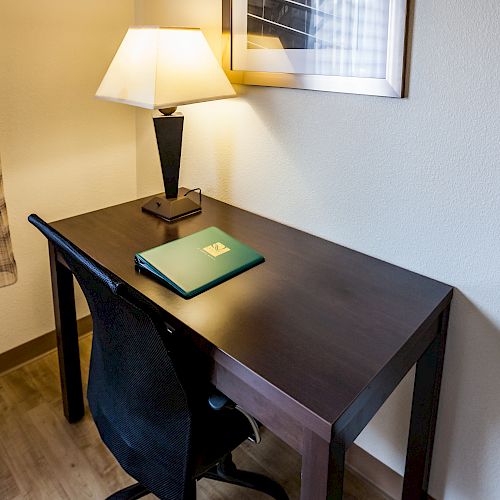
(192, 190)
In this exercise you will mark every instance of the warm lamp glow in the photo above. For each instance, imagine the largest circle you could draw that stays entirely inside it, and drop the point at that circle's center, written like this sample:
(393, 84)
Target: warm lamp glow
(158, 68)
(162, 68)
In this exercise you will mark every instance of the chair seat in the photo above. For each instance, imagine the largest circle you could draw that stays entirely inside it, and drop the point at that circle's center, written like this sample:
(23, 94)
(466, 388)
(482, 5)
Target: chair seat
(214, 433)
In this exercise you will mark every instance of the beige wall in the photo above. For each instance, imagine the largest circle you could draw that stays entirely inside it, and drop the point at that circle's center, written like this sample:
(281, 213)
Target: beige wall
(63, 152)
(413, 181)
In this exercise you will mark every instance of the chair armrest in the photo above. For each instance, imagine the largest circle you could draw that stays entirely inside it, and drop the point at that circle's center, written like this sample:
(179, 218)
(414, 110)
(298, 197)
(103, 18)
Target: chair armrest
(218, 401)
(253, 423)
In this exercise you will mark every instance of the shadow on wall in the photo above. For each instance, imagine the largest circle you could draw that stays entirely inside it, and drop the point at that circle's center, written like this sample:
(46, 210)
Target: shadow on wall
(473, 353)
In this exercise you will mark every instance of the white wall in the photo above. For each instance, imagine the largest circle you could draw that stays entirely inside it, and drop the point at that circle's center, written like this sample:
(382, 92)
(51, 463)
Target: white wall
(63, 152)
(413, 181)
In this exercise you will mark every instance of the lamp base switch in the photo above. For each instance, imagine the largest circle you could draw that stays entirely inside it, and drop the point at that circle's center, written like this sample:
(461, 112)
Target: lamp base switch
(171, 209)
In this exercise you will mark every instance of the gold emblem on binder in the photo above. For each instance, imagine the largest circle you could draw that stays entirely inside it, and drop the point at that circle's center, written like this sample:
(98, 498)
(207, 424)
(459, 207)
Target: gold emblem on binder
(216, 249)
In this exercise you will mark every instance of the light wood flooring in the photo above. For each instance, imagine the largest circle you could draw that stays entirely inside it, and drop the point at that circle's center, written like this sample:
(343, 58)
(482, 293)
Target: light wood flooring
(44, 457)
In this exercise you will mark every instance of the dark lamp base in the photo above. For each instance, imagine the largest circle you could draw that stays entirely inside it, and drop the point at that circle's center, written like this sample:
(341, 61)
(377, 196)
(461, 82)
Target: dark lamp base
(171, 209)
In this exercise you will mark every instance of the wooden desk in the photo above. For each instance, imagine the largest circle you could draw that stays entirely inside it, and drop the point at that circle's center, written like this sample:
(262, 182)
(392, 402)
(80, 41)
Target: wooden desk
(311, 342)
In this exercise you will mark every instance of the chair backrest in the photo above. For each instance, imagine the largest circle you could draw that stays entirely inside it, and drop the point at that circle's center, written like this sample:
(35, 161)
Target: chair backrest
(135, 393)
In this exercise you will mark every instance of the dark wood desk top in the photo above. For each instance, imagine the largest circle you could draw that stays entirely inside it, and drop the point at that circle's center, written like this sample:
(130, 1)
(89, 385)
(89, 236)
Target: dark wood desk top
(316, 320)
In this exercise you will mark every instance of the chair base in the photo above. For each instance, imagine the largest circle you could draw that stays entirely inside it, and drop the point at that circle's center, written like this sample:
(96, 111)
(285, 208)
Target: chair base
(226, 472)
(131, 492)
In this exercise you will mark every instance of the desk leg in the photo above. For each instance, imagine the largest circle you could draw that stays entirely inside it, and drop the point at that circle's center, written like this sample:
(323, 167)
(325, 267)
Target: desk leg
(67, 338)
(322, 475)
(424, 415)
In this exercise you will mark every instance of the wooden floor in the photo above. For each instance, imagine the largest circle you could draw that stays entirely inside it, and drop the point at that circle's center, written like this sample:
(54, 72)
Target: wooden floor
(44, 457)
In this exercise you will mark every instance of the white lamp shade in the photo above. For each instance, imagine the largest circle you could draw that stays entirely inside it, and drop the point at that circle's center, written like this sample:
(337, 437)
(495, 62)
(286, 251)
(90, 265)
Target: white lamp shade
(157, 67)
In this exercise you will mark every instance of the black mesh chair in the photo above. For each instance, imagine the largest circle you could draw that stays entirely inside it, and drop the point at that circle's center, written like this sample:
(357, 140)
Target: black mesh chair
(153, 407)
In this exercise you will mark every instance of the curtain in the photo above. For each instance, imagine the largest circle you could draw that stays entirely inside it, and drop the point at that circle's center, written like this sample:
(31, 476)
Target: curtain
(8, 270)
(355, 34)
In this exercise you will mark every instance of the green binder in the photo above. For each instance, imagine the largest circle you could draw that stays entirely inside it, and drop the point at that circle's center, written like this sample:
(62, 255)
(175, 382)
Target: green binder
(198, 262)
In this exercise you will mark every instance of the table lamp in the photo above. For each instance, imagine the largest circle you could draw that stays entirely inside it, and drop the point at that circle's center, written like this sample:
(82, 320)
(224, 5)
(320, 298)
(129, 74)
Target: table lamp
(162, 68)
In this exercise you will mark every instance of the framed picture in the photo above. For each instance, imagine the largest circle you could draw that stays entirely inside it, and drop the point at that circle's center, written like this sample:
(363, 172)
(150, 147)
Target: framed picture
(351, 46)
